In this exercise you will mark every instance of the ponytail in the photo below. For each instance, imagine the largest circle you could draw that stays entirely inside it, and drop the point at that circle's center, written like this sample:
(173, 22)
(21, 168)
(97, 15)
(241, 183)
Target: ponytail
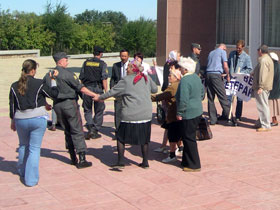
(27, 66)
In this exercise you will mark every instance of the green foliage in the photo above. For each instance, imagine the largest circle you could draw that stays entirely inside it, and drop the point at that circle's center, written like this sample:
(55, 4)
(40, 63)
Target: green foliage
(56, 30)
(139, 36)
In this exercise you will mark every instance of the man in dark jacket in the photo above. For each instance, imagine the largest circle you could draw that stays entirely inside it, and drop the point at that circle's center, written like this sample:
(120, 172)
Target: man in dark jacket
(118, 72)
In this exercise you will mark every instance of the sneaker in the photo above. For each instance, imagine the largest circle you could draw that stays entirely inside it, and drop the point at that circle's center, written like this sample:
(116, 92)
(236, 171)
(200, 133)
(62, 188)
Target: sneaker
(160, 149)
(169, 159)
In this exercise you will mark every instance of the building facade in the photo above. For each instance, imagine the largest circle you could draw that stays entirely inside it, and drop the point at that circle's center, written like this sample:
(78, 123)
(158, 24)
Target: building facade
(210, 22)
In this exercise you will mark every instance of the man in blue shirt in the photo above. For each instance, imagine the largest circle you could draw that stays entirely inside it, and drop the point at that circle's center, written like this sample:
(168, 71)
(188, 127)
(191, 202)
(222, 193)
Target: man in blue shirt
(239, 62)
(216, 66)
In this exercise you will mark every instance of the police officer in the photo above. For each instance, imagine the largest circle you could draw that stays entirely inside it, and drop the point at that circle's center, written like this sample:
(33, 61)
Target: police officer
(94, 76)
(68, 113)
(196, 49)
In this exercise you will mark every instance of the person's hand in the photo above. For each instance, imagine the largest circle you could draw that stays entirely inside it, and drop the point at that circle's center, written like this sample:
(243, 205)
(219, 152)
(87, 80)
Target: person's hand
(228, 78)
(179, 117)
(96, 97)
(259, 91)
(53, 74)
(48, 107)
(153, 97)
(13, 125)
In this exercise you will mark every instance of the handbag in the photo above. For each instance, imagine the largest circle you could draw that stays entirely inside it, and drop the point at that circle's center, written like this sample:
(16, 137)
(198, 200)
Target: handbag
(161, 117)
(203, 131)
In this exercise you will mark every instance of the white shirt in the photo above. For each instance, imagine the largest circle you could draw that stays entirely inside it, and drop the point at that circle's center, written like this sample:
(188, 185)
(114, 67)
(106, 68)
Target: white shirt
(146, 67)
(123, 69)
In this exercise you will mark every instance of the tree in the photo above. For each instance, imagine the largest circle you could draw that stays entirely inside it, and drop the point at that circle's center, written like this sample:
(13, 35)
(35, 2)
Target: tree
(116, 19)
(58, 21)
(139, 36)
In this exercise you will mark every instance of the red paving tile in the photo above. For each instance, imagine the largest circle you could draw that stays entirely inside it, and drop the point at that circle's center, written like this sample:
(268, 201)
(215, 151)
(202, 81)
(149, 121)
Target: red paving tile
(240, 170)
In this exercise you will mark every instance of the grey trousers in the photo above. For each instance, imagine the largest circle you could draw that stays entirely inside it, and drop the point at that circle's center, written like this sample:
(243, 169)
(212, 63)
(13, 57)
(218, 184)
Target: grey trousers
(263, 108)
(69, 117)
(96, 121)
(215, 86)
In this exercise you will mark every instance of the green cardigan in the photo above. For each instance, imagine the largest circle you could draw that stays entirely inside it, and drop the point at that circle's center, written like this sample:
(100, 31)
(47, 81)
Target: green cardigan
(189, 97)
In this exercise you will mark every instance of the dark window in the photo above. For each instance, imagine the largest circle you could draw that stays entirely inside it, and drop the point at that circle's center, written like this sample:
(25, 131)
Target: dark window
(231, 21)
(271, 23)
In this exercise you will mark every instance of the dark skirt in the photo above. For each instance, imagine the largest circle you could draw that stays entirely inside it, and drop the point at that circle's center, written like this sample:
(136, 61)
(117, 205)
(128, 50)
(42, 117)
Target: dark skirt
(134, 133)
(174, 131)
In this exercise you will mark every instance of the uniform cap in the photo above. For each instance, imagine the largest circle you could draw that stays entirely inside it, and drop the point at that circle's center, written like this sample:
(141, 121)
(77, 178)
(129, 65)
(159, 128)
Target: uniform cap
(195, 45)
(59, 55)
(98, 49)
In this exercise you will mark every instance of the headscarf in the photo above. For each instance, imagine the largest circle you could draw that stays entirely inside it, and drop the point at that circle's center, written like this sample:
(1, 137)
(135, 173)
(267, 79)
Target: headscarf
(172, 55)
(138, 69)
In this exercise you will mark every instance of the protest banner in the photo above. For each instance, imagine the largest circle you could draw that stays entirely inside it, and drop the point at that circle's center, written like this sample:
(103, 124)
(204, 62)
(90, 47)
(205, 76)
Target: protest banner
(240, 85)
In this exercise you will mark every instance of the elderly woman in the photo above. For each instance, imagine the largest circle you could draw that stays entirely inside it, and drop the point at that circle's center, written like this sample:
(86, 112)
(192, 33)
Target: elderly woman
(136, 112)
(29, 118)
(189, 110)
(172, 123)
(173, 58)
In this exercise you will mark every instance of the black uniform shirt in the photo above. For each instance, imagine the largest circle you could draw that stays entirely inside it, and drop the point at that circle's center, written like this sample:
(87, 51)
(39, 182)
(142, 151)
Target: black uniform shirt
(93, 71)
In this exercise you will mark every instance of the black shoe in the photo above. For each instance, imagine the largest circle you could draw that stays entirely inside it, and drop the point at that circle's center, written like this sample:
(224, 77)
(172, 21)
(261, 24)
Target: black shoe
(95, 135)
(231, 123)
(83, 163)
(144, 165)
(118, 166)
(238, 119)
(52, 128)
(222, 118)
(88, 135)
(73, 156)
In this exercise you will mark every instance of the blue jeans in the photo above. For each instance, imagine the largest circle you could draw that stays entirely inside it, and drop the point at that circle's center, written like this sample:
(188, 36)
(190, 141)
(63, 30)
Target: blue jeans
(30, 132)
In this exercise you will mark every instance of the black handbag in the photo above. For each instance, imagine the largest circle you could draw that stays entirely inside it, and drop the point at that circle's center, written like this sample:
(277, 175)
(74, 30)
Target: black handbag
(161, 117)
(203, 131)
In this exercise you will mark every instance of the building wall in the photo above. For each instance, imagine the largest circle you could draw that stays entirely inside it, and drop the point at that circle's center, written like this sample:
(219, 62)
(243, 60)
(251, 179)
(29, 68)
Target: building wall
(186, 21)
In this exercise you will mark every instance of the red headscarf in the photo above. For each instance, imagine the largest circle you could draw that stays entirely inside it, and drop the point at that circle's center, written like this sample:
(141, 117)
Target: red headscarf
(139, 74)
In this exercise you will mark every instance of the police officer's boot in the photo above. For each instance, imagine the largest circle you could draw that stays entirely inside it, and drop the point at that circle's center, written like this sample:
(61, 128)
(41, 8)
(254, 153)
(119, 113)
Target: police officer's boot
(74, 159)
(83, 163)
(89, 133)
(95, 134)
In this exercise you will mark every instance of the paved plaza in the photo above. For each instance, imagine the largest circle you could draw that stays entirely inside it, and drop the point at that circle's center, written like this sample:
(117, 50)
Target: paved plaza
(240, 167)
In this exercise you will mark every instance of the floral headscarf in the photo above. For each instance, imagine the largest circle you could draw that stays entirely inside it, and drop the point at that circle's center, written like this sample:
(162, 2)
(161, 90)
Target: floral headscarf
(138, 69)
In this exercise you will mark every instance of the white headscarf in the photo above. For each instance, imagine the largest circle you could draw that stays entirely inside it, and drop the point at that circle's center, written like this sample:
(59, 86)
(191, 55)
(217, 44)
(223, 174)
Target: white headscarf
(274, 56)
(173, 55)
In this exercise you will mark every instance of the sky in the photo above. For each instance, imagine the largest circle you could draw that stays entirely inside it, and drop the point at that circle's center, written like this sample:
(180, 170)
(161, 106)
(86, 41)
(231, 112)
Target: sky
(132, 9)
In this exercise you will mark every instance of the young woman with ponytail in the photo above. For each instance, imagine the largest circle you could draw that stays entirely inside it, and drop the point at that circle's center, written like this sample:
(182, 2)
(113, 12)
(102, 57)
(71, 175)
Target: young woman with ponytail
(29, 118)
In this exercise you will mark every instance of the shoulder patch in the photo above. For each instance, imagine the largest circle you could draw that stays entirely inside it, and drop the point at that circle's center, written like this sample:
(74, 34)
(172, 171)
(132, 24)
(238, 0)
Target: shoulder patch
(75, 76)
(93, 64)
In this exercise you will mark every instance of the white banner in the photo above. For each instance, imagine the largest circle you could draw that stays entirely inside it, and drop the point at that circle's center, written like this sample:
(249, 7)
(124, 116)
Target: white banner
(159, 73)
(240, 85)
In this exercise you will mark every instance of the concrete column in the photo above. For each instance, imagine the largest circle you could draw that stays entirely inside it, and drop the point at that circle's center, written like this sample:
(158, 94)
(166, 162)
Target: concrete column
(255, 30)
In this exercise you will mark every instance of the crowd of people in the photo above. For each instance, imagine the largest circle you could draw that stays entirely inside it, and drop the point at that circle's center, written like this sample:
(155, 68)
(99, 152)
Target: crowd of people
(182, 92)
